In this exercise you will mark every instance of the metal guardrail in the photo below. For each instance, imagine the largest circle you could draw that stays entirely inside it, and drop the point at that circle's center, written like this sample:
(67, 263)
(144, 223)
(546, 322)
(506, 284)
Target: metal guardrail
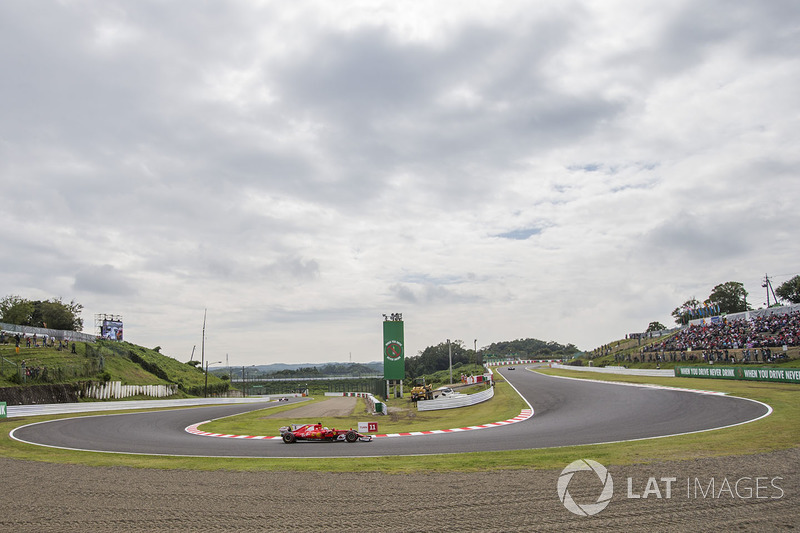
(88, 407)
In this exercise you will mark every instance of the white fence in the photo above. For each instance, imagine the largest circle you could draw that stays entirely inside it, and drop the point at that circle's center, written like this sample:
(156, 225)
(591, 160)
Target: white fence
(115, 390)
(453, 402)
(58, 334)
(662, 373)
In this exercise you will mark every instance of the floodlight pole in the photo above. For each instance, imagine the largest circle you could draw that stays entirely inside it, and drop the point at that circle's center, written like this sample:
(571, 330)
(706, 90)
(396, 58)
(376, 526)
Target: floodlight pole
(450, 354)
(203, 344)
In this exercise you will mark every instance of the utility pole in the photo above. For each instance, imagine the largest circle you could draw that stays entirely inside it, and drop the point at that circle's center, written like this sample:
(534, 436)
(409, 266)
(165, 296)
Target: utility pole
(768, 285)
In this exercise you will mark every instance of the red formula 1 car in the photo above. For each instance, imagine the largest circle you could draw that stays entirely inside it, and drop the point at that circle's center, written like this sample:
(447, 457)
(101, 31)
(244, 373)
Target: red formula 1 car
(318, 432)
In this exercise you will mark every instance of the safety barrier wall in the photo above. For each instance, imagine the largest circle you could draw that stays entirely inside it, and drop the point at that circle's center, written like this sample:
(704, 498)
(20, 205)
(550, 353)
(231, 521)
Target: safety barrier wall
(453, 402)
(652, 372)
(781, 375)
(116, 390)
(474, 380)
(373, 404)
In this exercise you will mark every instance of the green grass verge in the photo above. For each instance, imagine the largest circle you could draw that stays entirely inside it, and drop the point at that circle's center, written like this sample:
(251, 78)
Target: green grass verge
(775, 432)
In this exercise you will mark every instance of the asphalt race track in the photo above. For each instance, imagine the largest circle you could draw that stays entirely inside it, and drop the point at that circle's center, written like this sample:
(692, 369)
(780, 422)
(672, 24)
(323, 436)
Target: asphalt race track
(566, 412)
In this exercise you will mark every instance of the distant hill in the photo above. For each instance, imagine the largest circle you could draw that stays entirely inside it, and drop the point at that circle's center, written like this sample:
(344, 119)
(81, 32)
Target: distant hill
(317, 369)
(530, 348)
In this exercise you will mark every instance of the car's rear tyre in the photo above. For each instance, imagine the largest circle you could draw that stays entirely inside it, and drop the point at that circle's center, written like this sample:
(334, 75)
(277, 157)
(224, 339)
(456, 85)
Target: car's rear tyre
(288, 437)
(351, 436)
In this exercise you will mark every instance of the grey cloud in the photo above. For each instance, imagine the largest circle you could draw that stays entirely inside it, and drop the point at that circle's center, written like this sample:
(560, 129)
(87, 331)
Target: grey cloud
(103, 279)
(429, 294)
(403, 293)
(292, 267)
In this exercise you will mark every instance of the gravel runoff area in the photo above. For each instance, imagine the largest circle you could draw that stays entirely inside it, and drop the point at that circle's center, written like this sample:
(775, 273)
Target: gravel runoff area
(55, 497)
(335, 406)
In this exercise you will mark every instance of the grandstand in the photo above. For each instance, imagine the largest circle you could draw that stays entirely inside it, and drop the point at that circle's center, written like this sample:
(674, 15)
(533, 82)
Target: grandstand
(765, 336)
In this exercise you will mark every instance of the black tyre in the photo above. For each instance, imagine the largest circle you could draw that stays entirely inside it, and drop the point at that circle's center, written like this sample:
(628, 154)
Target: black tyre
(288, 437)
(351, 436)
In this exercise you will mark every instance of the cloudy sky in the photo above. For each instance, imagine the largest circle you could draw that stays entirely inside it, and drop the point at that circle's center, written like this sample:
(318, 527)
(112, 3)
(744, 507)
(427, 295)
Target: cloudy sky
(567, 171)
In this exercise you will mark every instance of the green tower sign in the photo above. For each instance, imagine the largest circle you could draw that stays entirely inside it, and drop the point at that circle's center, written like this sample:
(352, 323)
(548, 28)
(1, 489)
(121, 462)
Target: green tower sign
(394, 364)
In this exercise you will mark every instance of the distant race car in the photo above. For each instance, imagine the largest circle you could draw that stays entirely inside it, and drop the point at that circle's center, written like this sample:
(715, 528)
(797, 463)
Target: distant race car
(511, 368)
(318, 432)
(283, 399)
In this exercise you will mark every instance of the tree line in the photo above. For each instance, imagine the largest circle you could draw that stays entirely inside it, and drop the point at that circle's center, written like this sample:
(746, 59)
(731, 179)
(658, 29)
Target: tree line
(327, 370)
(435, 358)
(52, 314)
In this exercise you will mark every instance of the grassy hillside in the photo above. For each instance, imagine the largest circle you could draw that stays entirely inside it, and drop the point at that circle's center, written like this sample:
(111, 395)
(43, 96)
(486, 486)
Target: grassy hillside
(101, 361)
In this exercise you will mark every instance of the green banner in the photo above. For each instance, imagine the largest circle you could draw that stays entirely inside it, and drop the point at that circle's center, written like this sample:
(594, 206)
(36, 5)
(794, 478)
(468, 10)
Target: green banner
(782, 375)
(3, 410)
(394, 364)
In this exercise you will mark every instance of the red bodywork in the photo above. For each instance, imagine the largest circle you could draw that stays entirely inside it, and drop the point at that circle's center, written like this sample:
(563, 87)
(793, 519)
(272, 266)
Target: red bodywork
(319, 432)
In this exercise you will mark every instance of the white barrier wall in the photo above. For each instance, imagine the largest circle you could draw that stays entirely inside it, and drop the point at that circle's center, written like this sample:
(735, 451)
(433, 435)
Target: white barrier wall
(116, 390)
(652, 372)
(453, 402)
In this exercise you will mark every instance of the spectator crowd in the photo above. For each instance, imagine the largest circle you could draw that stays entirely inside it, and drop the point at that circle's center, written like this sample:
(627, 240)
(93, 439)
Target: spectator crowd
(716, 341)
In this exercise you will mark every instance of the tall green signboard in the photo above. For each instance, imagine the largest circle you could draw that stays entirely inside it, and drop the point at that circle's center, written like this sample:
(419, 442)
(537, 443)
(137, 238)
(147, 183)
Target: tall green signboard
(394, 363)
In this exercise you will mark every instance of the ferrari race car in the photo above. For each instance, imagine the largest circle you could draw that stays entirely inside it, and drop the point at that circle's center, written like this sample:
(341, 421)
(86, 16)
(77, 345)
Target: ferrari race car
(318, 432)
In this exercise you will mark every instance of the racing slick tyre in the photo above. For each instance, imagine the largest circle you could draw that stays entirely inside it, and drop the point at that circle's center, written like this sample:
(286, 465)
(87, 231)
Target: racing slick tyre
(288, 437)
(351, 436)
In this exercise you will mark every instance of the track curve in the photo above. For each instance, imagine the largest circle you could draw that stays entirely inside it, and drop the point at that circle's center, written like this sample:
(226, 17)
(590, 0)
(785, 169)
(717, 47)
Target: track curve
(566, 412)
